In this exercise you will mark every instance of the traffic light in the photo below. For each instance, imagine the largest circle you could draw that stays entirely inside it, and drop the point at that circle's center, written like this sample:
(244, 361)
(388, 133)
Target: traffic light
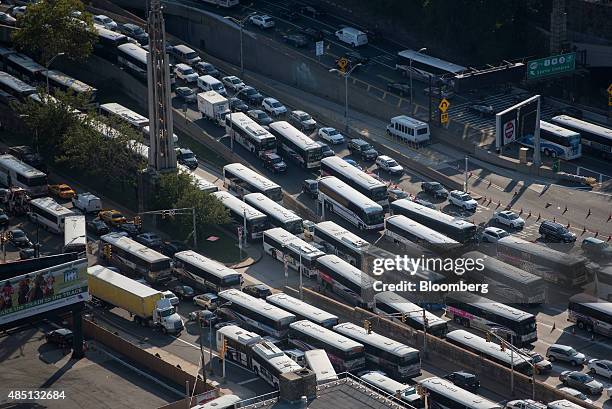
(138, 222)
(403, 317)
(108, 251)
(425, 322)
(367, 325)
(223, 348)
(503, 347)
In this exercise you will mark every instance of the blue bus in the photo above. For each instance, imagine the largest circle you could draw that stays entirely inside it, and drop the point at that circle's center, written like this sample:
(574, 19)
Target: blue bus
(556, 142)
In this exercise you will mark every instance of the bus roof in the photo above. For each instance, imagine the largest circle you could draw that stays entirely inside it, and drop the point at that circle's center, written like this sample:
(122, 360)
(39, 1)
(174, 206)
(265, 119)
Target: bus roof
(133, 247)
(504, 269)
(432, 61)
(423, 232)
(51, 206)
(26, 62)
(261, 182)
(243, 121)
(16, 83)
(134, 51)
(257, 304)
(592, 302)
(124, 113)
(11, 162)
(402, 305)
(388, 345)
(557, 130)
(489, 348)
(318, 361)
(275, 357)
(238, 206)
(222, 402)
(384, 382)
(294, 135)
(498, 308)
(538, 250)
(346, 237)
(241, 335)
(325, 335)
(451, 391)
(270, 207)
(408, 121)
(205, 263)
(121, 281)
(347, 270)
(293, 242)
(108, 34)
(338, 186)
(432, 213)
(300, 307)
(67, 81)
(351, 172)
(581, 125)
(563, 404)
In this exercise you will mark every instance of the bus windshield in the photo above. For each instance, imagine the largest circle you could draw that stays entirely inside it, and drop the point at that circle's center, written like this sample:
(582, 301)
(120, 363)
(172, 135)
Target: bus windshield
(314, 155)
(275, 194)
(379, 193)
(374, 217)
(37, 180)
(258, 225)
(294, 227)
(231, 281)
(268, 144)
(160, 265)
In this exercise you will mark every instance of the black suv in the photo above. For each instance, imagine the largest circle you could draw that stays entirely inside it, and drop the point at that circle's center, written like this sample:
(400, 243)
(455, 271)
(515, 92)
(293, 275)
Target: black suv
(251, 95)
(556, 232)
(137, 33)
(364, 149)
(257, 290)
(464, 380)
(170, 248)
(61, 337)
(435, 189)
(274, 163)
(187, 158)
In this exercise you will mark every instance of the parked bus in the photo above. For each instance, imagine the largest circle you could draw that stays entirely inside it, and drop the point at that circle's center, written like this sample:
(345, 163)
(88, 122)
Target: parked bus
(14, 172)
(204, 273)
(423, 66)
(257, 313)
(242, 180)
(269, 362)
(508, 283)
(319, 363)
(552, 265)
(134, 59)
(297, 146)
(474, 311)
(59, 80)
(75, 236)
(222, 402)
(403, 230)
(556, 142)
(108, 43)
(392, 305)
(345, 280)
(24, 67)
(278, 216)
(343, 243)
(299, 255)
(335, 196)
(344, 353)
(443, 394)
(603, 283)
(48, 214)
(135, 258)
(244, 216)
(118, 111)
(596, 139)
(398, 360)
(392, 388)
(451, 226)
(239, 343)
(563, 404)
(15, 87)
(490, 350)
(591, 313)
(248, 133)
(365, 184)
(303, 310)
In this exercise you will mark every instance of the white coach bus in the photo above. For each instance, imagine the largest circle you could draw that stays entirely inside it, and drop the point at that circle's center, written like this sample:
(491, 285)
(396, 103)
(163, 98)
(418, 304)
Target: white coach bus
(49, 214)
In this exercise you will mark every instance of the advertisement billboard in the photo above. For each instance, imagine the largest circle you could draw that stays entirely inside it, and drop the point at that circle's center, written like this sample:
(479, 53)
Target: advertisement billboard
(516, 122)
(34, 293)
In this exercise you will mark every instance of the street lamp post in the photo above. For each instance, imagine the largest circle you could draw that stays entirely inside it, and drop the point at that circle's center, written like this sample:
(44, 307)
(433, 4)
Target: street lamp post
(346, 75)
(240, 23)
(410, 73)
(47, 67)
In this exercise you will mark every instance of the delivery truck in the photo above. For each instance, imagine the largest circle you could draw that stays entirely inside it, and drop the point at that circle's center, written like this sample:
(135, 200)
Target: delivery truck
(213, 106)
(145, 304)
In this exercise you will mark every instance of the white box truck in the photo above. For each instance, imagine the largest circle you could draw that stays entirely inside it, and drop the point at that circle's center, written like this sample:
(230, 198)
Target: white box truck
(147, 305)
(213, 106)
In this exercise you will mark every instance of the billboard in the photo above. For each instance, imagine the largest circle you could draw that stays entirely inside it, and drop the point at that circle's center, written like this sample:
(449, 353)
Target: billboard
(516, 122)
(556, 64)
(34, 293)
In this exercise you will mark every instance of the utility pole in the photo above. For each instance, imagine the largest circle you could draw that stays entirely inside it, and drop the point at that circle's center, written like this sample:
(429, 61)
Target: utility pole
(537, 158)
(202, 349)
(465, 187)
(210, 355)
(425, 323)
(195, 233)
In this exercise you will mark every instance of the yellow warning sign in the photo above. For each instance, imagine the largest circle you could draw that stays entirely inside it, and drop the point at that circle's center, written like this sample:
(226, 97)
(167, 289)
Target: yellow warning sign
(444, 117)
(610, 89)
(343, 63)
(444, 104)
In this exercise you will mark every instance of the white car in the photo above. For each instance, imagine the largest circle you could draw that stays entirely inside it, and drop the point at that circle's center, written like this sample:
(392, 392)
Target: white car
(576, 394)
(602, 367)
(387, 164)
(262, 21)
(19, 11)
(232, 82)
(185, 72)
(331, 135)
(273, 107)
(462, 199)
(510, 219)
(525, 404)
(169, 295)
(105, 22)
(492, 234)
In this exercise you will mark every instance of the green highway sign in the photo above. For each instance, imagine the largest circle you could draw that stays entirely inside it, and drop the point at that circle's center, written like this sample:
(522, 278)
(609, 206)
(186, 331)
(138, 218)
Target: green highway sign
(551, 65)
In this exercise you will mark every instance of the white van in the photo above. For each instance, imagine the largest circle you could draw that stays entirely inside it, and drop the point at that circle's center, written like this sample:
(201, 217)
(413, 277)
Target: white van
(185, 54)
(210, 83)
(408, 129)
(352, 36)
(87, 203)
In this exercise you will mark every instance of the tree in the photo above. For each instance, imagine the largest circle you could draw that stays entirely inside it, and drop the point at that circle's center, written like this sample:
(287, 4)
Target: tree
(49, 28)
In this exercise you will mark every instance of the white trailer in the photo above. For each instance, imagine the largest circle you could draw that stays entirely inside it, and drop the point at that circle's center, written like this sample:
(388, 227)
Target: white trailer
(213, 106)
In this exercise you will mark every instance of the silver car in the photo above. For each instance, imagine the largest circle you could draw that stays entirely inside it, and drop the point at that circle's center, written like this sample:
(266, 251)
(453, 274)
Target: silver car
(558, 352)
(581, 381)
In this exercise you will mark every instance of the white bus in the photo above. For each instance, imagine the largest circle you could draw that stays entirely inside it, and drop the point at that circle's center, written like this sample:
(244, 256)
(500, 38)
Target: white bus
(395, 389)
(398, 360)
(222, 402)
(335, 196)
(49, 214)
(248, 133)
(243, 180)
(595, 139)
(118, 111)
(303, 310)
(24, 67)
(204, 273)
(257, 313)
(390, 304)
(319, 363)
(563, 404)
(401, 229)
(243, 214)
(65, 83)
(490, 350)
(444, 394)
(108, 42)
(344, 353)
(299, 255)
(269, 362)
(14, 172)
(424, 66)
(346, 281)
(239, 343)
(136, 258)
(359, 180)
(278, 216)
(15, 87)
(555, 141)
(343, 243)
(75, 236)
(134, 59)
(297, 146)
(591, 313)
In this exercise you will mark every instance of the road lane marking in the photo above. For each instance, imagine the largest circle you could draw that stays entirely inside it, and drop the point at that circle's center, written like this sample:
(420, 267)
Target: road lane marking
(385, 78)
(248, 381)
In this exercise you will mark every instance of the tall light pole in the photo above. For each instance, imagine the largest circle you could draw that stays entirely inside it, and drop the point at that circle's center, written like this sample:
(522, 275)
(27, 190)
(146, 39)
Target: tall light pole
(240, 23)
(346, 75)
(410, 73)
(47, 67)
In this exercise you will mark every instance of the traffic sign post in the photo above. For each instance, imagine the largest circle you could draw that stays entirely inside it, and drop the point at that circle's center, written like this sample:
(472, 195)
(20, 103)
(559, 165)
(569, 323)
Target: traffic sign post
(555, 64)
(444, 117)
(343, 64)
(319, 47)
(443, 107)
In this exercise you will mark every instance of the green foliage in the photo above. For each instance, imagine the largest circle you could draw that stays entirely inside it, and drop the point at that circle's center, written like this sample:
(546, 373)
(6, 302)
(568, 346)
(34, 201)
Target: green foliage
(47, 29)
